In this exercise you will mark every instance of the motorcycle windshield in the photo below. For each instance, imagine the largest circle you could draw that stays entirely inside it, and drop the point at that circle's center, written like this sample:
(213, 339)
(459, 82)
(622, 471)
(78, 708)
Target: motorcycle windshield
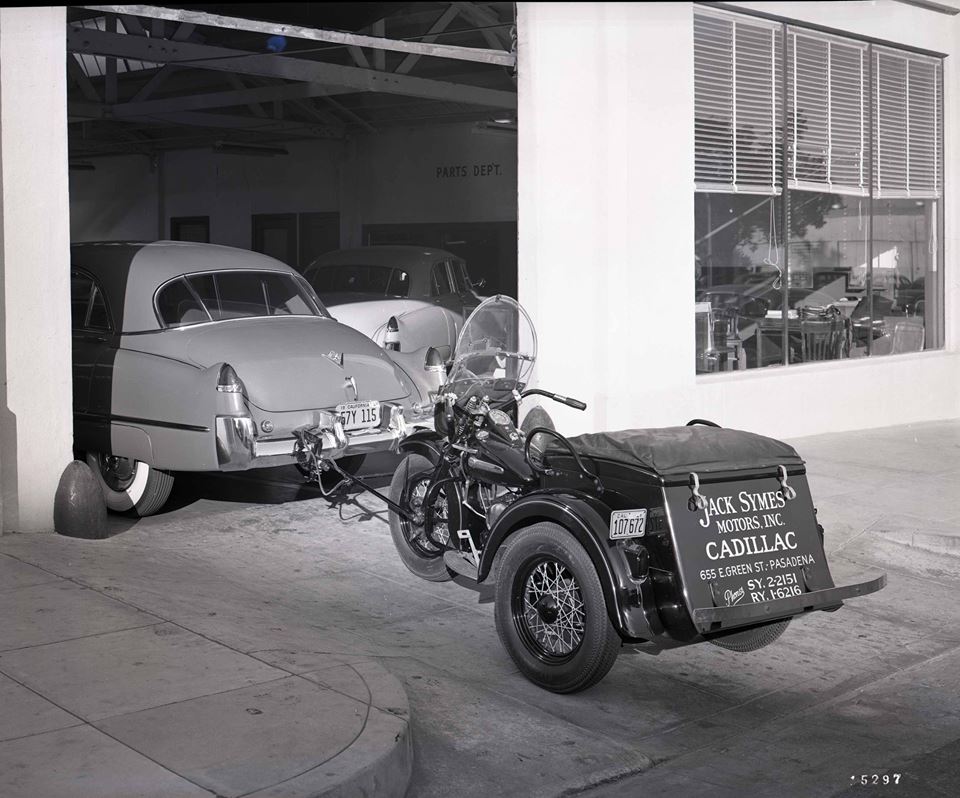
(497, 342)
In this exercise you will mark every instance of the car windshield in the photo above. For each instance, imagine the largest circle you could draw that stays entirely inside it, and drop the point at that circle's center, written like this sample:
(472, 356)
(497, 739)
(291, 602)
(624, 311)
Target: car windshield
(359, 278)
(215, 296)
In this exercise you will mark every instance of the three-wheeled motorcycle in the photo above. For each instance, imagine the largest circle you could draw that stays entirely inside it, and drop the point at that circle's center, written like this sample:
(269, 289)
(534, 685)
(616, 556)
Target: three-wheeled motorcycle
(651, 537)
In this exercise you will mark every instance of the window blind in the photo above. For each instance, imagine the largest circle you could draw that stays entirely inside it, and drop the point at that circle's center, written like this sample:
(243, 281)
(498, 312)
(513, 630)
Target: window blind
(738, 103)
(907, 111)
(827, 113)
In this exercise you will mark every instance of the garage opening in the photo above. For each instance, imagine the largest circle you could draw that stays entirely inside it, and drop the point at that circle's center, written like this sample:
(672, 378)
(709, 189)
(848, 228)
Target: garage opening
(297, 129)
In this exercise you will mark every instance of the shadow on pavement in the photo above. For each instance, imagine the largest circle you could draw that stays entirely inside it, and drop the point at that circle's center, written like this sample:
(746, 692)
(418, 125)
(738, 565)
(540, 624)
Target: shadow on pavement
(264, 486)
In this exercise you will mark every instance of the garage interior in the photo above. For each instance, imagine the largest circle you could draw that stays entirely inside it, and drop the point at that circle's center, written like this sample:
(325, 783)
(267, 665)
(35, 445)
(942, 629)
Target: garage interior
(299, 129)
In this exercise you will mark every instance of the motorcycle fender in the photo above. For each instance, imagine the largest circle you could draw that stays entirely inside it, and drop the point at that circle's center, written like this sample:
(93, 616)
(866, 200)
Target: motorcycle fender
(586, 525)
(425, 442)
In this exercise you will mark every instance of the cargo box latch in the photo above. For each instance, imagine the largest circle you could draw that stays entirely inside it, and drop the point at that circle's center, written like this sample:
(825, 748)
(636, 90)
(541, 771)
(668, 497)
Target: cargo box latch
(788, 492)
(697, 500)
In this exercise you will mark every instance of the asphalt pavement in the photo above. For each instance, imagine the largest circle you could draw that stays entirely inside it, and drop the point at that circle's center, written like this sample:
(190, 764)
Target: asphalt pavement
(144, 659)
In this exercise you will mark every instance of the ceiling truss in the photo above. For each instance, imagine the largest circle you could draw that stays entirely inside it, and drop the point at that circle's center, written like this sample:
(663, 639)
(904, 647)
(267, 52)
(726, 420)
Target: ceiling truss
(299, 90)
(484, 56)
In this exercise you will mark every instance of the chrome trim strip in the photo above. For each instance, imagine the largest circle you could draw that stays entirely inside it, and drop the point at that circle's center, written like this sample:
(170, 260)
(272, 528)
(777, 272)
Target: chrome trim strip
(146, 421)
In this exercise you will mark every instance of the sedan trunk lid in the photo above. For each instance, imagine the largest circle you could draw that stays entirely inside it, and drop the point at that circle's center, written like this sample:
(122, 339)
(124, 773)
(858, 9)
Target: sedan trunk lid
(283, 364)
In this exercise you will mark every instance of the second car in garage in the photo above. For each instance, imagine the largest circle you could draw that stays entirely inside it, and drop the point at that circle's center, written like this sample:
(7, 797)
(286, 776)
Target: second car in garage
(401, 296)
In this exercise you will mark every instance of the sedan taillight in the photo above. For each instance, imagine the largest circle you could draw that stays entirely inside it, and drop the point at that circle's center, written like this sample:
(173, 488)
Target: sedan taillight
(229, 382)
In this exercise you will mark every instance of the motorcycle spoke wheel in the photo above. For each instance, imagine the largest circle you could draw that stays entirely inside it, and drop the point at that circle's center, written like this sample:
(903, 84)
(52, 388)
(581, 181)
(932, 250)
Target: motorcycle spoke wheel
(422, 540)
(430, 537)
(550, 612)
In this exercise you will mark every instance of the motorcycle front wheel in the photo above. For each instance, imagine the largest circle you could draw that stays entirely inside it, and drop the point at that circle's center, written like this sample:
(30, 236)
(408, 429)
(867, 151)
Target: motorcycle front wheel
(550, 613)
(420, 542)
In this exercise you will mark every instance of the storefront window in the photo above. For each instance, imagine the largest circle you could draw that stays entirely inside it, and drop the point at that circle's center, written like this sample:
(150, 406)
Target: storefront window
(818, 186)
(828, 249)
(738, 277)
(904, 281)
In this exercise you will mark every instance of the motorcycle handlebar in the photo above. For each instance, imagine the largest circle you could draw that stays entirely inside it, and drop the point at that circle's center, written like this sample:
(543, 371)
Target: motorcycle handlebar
(576, 404)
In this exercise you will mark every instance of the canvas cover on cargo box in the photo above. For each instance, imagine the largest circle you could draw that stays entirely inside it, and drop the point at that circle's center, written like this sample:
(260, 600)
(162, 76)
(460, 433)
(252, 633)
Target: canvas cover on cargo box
(676, 451)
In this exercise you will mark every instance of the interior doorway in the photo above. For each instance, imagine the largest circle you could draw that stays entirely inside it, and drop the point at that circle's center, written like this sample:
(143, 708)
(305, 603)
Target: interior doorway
(295, 238)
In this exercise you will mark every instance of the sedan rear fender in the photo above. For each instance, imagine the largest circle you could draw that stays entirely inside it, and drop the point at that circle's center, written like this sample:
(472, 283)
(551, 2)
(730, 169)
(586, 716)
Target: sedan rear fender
(426, 379)
(174, 403)
(164, 389)
(426, 326)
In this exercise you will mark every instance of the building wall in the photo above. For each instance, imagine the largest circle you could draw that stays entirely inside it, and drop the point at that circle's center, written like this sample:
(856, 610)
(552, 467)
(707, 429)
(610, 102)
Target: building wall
(36, 425)
(447, 173)
(606, 228)
(116, 201)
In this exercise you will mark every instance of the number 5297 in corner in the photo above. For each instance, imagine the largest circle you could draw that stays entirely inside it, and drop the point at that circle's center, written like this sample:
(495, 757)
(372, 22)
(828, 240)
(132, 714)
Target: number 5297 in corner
(878, 779)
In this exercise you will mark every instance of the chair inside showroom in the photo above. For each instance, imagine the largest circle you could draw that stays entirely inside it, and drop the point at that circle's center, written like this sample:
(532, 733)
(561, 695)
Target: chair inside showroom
(708, 359)
(908, 335)
(821, 339)
(726, 338)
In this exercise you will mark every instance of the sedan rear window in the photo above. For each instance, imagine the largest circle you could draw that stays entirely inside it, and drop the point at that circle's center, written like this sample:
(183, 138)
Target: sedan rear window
(233, 295)
(362, 279)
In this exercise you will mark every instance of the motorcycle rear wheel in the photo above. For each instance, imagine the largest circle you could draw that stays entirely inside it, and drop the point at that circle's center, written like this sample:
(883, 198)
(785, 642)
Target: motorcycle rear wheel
(550, 612)
(751, 639)
(420, 545)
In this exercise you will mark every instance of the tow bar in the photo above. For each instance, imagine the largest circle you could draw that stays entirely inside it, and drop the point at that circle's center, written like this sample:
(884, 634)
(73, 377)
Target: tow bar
(310, 444)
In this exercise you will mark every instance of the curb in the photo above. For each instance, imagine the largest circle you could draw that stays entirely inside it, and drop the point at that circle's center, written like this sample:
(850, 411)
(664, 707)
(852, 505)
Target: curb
(379, 761)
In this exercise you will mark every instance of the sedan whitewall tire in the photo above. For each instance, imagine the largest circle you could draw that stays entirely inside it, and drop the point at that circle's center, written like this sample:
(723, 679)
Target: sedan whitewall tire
(130, 486)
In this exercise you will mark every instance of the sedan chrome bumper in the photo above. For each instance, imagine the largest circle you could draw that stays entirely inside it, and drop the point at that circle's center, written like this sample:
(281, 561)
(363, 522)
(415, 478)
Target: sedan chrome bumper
(236, 442)
(239, 448)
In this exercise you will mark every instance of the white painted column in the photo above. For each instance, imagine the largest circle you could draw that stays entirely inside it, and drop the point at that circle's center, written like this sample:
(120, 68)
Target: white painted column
(36, 425)
(606, 207)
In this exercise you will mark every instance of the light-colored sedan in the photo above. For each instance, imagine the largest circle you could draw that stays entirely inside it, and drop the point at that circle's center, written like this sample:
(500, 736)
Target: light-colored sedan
(403, 297)
(196, 357)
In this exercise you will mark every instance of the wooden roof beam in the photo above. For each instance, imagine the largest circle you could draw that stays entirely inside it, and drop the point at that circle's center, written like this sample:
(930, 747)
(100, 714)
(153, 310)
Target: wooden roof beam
(480, 55)
(201, 56)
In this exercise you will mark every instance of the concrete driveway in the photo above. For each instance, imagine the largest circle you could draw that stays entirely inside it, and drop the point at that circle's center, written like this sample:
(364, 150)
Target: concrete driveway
(871, 689)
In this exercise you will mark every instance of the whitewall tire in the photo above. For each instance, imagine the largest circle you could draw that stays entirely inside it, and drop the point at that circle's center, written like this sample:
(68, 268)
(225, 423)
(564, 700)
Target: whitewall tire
(130, 486)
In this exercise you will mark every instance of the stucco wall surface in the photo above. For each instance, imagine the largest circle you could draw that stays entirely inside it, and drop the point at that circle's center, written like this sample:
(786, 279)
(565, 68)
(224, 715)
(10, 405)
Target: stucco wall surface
(36, 424)
(606, 228)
